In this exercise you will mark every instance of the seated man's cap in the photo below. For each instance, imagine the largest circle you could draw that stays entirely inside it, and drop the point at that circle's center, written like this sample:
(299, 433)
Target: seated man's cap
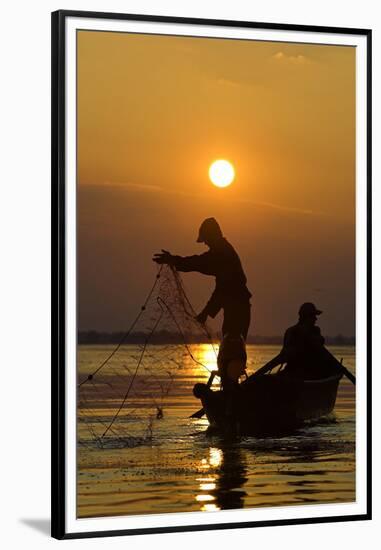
(308, 309)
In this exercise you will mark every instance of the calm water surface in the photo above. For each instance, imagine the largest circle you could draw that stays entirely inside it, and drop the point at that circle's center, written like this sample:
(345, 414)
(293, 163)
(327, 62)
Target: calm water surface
(170, 465)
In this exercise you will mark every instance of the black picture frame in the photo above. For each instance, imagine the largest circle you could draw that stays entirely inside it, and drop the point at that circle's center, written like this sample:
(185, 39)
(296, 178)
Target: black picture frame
(58, 294)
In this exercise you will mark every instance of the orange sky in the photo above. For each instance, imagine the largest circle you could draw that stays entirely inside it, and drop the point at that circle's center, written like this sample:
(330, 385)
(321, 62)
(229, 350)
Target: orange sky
(154, 112)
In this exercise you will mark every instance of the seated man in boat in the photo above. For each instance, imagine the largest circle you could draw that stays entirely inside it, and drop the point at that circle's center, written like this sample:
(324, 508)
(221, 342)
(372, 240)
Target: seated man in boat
(222, 261)
(304, 352)
(303, 346)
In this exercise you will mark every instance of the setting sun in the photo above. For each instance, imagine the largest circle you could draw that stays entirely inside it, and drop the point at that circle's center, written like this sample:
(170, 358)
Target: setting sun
(221, 173)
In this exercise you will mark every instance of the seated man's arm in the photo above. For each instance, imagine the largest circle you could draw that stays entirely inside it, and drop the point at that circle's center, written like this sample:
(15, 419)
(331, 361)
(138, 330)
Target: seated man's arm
(281, 358)
(289, 349)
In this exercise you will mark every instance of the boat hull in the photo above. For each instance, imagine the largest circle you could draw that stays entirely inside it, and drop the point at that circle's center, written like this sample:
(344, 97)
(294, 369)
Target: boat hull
(269, 403)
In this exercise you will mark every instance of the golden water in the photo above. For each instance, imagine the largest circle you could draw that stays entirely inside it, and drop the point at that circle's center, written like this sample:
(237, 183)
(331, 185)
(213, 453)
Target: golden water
(179, 469)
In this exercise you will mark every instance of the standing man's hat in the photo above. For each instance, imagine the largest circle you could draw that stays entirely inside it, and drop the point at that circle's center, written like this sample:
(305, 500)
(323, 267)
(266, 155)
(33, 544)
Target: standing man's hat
(209, 229)
(307, 309)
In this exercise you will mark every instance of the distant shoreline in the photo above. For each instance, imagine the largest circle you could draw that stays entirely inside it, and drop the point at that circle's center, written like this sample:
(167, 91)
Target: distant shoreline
(165, 337)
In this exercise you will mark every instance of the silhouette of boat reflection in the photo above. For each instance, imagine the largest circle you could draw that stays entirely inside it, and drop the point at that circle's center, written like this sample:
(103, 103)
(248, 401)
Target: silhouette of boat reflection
(221, 489)
(256, 471)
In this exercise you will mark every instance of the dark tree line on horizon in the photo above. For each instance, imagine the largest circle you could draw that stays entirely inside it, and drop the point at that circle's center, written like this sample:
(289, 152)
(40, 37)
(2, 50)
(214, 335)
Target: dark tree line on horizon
(167, 337)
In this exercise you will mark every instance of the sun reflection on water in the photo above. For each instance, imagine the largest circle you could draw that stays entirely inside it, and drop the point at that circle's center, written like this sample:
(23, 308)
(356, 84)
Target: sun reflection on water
(209, 508)
(207, 486)
(207, 483)
(204, 498)
(206, 354)
(215, 457)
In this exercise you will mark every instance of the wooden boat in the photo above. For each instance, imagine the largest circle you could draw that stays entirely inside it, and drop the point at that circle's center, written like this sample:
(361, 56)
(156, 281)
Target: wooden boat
(271, 403)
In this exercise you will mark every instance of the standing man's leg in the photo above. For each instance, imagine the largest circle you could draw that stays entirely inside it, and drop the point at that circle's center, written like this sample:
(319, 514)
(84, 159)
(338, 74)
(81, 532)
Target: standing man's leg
(236, 324)
(237, 318)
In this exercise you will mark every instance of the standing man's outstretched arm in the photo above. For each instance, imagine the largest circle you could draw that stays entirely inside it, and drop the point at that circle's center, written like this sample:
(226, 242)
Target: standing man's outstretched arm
(202, 263)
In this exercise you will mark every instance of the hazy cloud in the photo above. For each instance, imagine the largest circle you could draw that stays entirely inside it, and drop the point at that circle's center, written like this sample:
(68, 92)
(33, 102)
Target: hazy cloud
(299, 59)
(228, 82)
(137, 186)
(157, 188)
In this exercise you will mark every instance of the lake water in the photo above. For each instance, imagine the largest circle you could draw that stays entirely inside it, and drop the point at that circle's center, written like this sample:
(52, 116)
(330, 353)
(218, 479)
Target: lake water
(147, 465)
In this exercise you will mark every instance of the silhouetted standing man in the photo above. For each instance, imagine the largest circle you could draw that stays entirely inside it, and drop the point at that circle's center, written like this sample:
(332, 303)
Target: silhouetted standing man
(222, 261)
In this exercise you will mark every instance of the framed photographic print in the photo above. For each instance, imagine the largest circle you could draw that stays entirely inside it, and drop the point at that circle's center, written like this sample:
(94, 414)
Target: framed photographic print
(211, 274)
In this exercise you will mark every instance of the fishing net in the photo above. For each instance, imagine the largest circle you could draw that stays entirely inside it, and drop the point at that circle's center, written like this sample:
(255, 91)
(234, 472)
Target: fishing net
(123, 389)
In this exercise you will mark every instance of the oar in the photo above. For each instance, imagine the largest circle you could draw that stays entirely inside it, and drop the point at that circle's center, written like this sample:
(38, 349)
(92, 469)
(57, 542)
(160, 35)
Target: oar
(348, 373)
(198, 414)
(275, 361)
(339, 364)
(280, 359)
